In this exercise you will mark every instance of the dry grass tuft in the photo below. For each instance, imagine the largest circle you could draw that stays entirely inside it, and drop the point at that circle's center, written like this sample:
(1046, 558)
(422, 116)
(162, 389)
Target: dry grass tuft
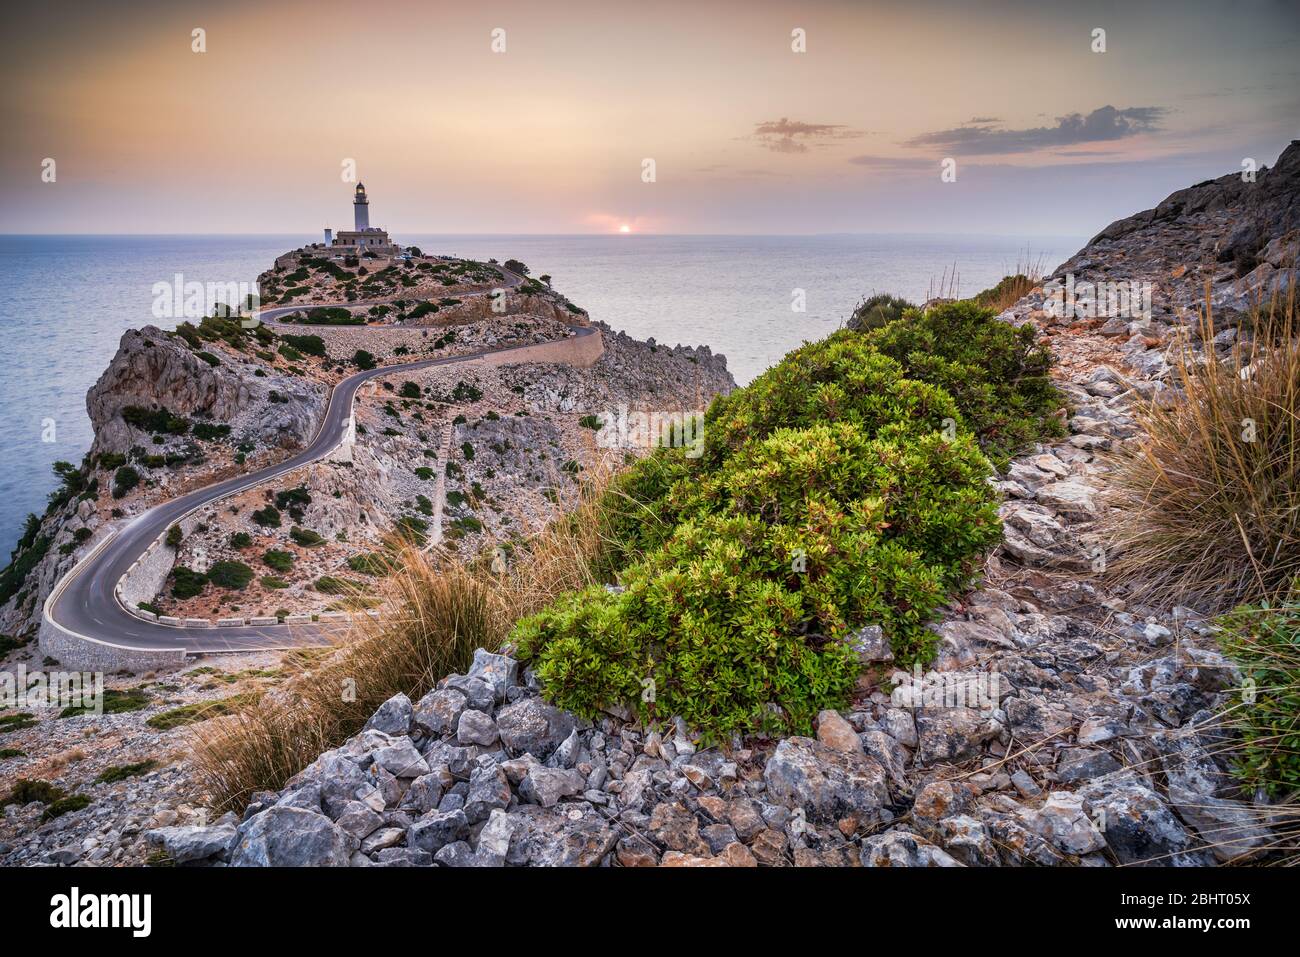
(1206, 504)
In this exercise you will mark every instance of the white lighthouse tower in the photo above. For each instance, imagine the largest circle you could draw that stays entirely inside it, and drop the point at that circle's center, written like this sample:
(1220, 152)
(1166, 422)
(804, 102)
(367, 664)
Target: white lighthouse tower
(364, 237)
(361, 207)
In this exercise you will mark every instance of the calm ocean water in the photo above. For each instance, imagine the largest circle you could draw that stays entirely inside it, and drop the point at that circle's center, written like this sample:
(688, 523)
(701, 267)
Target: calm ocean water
(66, 300)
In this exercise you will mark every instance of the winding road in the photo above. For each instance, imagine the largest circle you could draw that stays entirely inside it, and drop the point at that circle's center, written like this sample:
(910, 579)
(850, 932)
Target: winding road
(84, 601)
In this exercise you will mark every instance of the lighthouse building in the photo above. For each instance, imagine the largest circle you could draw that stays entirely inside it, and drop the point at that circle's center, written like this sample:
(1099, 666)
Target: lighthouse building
(362, 237)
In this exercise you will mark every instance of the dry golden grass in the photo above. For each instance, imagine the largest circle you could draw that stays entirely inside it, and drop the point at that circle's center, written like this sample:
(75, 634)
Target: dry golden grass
(1206, 504)
(436, 613)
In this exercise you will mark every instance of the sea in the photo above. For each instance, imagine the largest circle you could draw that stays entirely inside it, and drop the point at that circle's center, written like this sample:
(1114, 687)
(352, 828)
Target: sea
(66, 300)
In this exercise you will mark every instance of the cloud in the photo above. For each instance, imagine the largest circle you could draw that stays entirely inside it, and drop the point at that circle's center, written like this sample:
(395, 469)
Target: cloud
(1106, 123)
(794, 136)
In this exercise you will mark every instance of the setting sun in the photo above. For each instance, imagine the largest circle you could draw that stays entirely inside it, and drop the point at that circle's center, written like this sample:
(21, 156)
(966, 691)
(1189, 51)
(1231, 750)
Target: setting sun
(625, 228)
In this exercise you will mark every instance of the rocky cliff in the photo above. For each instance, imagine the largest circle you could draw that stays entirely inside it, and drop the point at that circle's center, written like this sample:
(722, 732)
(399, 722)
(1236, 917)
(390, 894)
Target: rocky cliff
(155, 370)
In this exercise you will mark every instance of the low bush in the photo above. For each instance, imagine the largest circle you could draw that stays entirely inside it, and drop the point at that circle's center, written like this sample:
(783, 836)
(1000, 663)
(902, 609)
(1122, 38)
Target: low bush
(196, 712)
(120, 772)
(279, 561)
(207, 431)
(307, 345)
(115, 702)
(29, 790)
(376, 564)
(843, 487)
(155, 420)
(998, 374)
(230, 575)
(187, 583)
(305, 537)
(1264, 641)
(877, 311)
(124, 480)
(268, 517)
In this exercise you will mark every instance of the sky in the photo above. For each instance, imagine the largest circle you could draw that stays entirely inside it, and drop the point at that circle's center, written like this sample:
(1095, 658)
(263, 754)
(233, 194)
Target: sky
(551, 131)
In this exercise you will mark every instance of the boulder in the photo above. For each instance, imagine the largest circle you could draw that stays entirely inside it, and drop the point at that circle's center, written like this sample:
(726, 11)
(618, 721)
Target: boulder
(292, 837)
(532, 726)
(185, 844)
(827, 784)
(393, 717)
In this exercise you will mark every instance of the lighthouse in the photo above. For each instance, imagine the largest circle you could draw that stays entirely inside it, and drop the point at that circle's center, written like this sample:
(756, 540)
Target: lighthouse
(363, 237)
(361, 208)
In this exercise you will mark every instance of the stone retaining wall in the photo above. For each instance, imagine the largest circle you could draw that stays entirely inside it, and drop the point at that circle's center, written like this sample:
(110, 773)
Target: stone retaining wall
(90, 654)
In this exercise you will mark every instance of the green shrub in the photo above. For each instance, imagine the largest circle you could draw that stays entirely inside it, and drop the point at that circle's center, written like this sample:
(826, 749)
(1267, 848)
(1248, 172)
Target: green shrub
(332, 585)
(466, 392)
(371, 563)
(363, 359)
(832, 492)
(1264, 641)
(187, 583)
(114, 702)
(25, 559)
(592, 422)
(305, 537)
(845, 486)
(332, 316)
(292, 498)
(240, 540)
(174, 537)
(65, 805)
(878, 311)
(124, 480)
(274, 582)
(155, 420)
(231, 575)
(17, 722)
(774, 558)
(307, 345)
(196, 712)
(278, 561)
(409, 390)
(121, 772)
(268, 517)
(999, 375)
(207, 431)
(27, 790)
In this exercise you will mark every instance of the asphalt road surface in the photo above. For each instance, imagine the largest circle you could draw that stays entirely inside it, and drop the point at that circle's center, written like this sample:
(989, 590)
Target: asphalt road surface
(86, 603)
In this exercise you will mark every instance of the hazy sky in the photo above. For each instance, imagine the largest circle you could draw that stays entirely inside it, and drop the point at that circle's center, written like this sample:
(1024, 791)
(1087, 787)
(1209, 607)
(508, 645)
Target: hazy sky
(747, 135)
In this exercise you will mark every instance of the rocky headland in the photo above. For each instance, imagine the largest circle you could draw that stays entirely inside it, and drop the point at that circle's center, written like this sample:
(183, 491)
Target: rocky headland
(1103, 743)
